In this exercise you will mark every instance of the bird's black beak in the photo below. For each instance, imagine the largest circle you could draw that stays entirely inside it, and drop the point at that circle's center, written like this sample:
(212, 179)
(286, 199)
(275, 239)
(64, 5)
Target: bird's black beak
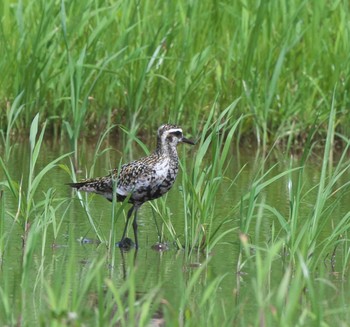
(185, 140)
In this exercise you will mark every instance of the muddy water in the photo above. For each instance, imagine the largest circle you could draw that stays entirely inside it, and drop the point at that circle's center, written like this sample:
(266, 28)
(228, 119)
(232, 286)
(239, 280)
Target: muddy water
(155, 268)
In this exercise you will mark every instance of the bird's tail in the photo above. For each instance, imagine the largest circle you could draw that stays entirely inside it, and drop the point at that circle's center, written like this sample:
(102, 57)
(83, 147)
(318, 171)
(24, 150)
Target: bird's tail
(78, 185)
(90, 185)
(99, 185)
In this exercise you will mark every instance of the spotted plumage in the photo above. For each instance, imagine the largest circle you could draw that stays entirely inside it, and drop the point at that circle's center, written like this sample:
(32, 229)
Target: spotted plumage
(141, 180)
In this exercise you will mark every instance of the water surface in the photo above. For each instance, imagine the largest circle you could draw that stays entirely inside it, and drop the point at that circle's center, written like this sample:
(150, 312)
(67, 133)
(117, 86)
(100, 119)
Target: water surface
(172, 268)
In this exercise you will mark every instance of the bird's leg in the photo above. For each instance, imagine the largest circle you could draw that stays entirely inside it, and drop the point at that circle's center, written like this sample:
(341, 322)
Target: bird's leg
(126, 224)
(134, 226)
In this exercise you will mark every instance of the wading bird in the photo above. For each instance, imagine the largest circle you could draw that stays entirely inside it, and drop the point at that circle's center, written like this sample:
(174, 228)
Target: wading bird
(141, 180)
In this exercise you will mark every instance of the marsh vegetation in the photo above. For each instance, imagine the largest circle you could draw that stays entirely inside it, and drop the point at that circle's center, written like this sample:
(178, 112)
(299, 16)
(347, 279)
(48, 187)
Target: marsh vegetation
(254, 233)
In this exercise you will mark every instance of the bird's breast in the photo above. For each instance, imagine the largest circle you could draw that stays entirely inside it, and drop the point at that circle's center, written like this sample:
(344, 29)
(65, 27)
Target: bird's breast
(164, 175)
(158, 181)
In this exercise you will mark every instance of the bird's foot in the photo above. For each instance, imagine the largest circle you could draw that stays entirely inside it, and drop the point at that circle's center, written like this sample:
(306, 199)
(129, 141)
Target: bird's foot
(125, 244)
(160, 247)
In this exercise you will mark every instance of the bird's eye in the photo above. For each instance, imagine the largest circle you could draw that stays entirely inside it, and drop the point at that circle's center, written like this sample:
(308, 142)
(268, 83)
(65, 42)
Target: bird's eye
(177, 133)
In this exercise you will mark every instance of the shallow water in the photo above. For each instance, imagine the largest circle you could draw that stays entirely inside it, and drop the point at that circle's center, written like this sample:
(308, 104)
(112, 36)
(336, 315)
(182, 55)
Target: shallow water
(170, 268)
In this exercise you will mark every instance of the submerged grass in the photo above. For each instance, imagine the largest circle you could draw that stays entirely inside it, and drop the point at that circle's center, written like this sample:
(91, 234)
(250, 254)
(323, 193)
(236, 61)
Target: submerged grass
(273, 276)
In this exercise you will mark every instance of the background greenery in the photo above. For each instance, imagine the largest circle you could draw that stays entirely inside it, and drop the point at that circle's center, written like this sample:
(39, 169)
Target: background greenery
(86, 64)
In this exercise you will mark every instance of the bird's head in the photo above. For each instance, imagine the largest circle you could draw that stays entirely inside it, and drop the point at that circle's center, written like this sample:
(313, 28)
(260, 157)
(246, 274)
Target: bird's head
(171, 135)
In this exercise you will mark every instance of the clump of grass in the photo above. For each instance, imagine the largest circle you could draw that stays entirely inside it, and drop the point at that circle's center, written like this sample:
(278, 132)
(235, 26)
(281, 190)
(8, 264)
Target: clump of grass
(294, 251)
(201, 183)
(303, 229)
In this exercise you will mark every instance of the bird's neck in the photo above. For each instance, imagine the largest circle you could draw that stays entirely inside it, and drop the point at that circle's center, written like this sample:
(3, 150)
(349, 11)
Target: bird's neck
(166, 149)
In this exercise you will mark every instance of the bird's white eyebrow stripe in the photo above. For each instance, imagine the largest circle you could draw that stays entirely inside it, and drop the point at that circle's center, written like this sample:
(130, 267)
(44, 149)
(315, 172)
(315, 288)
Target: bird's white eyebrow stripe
(173, 130)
